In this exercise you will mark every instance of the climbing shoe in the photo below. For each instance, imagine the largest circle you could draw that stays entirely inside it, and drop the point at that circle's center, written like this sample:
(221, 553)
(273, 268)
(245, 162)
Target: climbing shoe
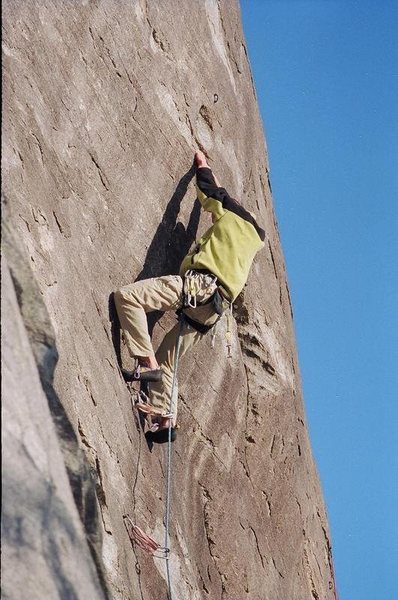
(142, 374)
(161, 436)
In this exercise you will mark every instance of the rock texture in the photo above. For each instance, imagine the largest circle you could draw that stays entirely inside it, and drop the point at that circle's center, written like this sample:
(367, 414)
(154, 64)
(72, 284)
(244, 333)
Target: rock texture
(104, 104)
(45, 549)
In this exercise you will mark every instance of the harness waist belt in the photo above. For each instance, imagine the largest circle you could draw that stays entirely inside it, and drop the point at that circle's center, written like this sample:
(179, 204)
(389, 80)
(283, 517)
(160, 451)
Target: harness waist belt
(196, 325)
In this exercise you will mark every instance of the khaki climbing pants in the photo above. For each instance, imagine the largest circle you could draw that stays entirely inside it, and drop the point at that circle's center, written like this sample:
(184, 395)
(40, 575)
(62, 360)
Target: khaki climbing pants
(162, 293)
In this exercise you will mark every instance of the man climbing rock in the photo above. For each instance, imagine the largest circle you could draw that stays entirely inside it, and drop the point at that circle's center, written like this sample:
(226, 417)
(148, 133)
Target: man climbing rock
(211, 276)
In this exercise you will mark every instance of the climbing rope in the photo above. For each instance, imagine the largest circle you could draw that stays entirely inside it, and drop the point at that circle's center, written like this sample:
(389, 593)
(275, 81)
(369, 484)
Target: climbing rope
(166, 547)
(137, 536)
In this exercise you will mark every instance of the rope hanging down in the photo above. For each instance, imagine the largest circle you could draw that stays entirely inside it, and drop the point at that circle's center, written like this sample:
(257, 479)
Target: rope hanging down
(139, 537)
(172, 411)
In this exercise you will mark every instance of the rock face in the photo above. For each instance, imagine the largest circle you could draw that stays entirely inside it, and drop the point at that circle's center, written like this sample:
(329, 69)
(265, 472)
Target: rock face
(46, 553)
(104, 105)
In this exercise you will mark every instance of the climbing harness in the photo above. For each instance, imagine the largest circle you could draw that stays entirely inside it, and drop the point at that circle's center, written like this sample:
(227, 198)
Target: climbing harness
(202, 287)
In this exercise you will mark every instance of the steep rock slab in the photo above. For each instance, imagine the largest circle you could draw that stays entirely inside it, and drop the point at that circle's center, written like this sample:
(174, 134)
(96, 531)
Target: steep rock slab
(43, 347)
(105, 104)
(44, 548)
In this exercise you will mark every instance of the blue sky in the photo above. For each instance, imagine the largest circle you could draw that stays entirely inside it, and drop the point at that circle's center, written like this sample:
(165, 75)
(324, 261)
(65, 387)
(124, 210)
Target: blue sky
(326, 74)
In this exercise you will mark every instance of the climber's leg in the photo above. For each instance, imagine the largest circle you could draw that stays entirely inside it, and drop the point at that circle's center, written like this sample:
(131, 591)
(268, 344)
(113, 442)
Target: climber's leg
(134, 301)
(160, 391)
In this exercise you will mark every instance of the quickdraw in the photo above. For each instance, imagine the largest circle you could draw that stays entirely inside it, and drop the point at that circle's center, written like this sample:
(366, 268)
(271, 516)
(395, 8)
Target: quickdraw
(193, 286)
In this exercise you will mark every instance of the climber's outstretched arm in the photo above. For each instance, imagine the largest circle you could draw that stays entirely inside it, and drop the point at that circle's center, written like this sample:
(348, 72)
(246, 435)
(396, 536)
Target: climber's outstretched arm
(210, 194)
(216, 199)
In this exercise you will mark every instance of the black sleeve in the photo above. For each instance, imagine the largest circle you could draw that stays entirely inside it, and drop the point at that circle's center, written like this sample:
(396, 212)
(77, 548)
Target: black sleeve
(207, 185)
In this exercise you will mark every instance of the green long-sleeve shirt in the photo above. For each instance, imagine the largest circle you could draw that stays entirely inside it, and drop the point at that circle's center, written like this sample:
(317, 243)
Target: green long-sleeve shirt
(228, 248)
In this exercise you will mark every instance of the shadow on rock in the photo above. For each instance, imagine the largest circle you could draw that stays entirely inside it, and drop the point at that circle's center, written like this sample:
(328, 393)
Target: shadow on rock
(115, 328)
(172, 240)
(169, 246)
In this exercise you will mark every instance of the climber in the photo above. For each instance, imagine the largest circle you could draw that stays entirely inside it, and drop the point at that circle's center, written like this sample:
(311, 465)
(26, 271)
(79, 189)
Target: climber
(211, 276)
